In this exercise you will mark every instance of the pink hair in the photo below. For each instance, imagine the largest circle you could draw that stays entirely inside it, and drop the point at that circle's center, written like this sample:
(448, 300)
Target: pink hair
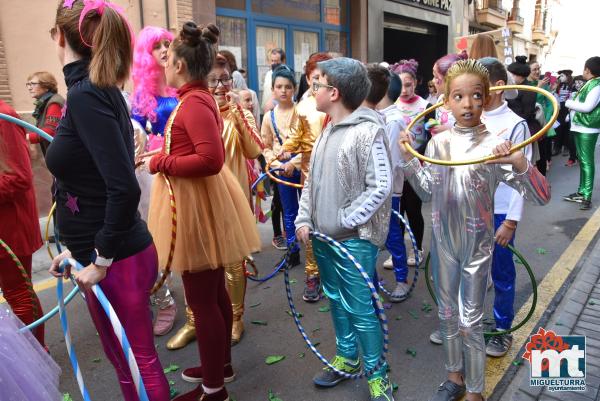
(406, 66)
(146, 72)
(444, 63)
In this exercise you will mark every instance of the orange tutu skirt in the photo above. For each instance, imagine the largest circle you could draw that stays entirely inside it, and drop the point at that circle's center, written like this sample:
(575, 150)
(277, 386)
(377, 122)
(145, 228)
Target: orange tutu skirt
(215, 226)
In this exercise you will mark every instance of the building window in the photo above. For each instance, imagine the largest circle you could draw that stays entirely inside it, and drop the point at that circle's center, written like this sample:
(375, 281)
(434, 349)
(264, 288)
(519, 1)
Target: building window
(308, 10)
(305, 44)
(335, 12)
(235, 4)
(233, 38)
(336, 43)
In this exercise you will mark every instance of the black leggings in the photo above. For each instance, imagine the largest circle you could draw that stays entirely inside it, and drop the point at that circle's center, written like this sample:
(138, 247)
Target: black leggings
(276, 211)
(410, 204)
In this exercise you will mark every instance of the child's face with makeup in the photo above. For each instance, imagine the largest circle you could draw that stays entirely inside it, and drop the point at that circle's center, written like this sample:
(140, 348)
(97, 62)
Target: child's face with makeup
(466, 99)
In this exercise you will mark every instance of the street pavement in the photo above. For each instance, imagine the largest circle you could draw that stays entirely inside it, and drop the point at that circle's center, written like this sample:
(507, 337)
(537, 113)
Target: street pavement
(545, 235)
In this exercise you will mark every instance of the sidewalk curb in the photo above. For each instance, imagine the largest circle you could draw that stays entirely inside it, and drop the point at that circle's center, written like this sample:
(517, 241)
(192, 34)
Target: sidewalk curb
(561, 316)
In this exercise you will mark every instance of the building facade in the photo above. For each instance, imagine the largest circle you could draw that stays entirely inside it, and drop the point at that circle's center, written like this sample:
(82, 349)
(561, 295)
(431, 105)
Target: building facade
(369, 30)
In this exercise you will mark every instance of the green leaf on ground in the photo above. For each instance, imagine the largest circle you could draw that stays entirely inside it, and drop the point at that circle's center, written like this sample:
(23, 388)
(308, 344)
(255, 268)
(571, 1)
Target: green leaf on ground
(96, 360)
(398, 317)
(426, 307)
(413, 314)
(394, 387)
(171, 383)
(324, 309)
(293, 281)
(259, 322)
(316, 344)
(592, 302)
(541, 251)
(67, 397)
(315, 330)
(291, 314)
(301, 354)
(272, 359)
(173, 392)
(517, 261)
(517, 363)
(559, 324)
(171, 368)
(411, 352)
(255, 305)
(273, 397)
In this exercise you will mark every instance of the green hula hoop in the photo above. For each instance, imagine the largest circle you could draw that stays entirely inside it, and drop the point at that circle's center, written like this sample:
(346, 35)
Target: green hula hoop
(533, 285)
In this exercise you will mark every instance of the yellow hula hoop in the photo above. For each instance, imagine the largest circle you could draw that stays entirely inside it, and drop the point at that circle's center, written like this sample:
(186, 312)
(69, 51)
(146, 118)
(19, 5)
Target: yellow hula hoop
(278, 180)
(519, 146)
(47, 232)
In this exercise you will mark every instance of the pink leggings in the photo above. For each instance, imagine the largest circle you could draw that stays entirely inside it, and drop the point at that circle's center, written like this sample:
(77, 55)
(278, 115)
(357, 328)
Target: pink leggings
(127, 286)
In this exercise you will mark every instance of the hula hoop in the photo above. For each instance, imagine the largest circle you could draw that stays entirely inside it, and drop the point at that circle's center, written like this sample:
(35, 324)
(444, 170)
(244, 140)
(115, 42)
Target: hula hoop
(269, 172)
(260, 179)
(47, 233)
(533, 285)
(379, 310)
(167, 270)
(25, 277)
(513, 149)
(253, 275)
(416, 249)
(116, 326)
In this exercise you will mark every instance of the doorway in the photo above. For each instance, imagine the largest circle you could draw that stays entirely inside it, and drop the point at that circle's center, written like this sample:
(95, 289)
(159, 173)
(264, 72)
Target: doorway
(405, 38)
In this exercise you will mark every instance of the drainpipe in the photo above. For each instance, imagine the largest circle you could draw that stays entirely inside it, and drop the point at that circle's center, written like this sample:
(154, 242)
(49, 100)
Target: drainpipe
(141, 14)
(167, 15)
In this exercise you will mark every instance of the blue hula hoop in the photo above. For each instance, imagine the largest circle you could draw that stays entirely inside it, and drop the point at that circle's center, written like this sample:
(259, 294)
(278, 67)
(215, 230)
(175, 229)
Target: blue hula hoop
(62, 302)
(253, 276)
(379, 310)
(117, 328)
(416, 250)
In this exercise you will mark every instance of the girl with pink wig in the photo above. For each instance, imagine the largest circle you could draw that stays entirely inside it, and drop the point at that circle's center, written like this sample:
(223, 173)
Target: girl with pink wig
(443, 116)
(152, 104)
(153, 101)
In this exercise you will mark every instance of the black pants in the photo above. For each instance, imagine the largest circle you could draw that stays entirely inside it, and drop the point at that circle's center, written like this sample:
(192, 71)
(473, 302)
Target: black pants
(565, 139)
(410, 204)
(276, 210)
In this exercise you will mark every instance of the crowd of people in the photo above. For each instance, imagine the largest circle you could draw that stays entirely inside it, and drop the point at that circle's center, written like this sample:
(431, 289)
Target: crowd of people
(193, 128)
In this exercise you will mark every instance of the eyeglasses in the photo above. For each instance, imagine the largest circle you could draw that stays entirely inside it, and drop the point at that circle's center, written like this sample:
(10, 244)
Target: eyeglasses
(31, 84)
(317, 85)
(213, 83)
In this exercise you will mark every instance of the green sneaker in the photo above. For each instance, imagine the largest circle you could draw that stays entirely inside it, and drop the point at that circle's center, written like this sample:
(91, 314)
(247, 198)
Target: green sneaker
(380, 389)
(329, 378)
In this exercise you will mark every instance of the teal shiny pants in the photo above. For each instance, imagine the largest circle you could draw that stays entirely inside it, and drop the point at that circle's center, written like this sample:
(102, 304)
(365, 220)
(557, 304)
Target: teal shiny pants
(352, 310)
(585, 144)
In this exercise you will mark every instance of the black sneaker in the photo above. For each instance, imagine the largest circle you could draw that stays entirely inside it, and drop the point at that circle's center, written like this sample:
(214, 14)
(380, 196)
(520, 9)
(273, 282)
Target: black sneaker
(585, 205)
(499, 345)
(449, 391)
(329, 378)
(312, 291)
(574, 197)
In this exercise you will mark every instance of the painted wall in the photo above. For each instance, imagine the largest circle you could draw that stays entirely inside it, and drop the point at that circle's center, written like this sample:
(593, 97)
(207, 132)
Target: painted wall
(24, 29)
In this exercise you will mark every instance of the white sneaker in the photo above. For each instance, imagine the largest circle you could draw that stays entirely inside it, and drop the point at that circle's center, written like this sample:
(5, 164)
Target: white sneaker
(388, 264)
(411, 261)
(400, 293)
(436, 337)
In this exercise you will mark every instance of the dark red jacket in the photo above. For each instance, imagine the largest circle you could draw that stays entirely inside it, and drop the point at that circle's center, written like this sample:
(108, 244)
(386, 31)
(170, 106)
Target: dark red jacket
(19, 224)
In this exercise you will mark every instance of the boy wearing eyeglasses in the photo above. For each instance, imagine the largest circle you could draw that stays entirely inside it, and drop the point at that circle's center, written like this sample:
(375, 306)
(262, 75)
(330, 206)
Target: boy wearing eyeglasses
(347, 196)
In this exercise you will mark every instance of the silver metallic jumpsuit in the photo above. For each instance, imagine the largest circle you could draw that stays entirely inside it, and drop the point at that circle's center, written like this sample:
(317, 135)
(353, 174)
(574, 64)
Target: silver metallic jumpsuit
(463, 236)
